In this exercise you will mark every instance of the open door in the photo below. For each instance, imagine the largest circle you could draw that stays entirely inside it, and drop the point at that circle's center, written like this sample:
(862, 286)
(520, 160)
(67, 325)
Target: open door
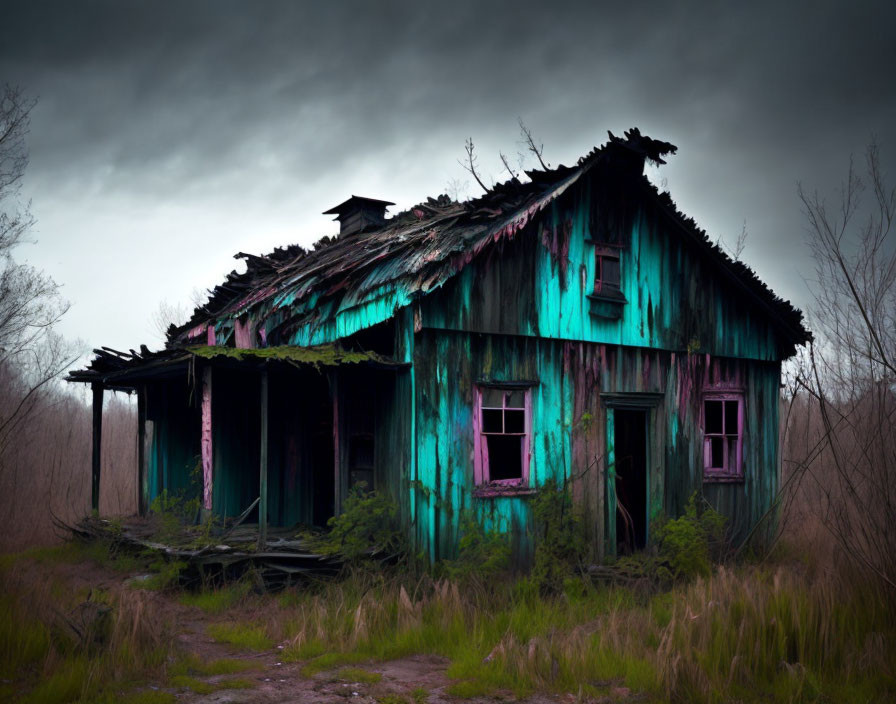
(627, 482)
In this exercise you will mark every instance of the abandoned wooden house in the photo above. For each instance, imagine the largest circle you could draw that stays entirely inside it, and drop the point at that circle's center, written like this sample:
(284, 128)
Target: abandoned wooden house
(457, 356)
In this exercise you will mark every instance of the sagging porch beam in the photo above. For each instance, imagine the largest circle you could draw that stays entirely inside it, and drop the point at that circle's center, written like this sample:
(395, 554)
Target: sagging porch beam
(263, 466)
(206, 448)
(97, 446)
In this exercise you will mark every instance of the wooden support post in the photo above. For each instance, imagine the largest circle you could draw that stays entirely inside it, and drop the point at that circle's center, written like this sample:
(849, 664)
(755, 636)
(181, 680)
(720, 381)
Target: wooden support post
(205, 443)
(97, 445)
(142, 474)
(338, 485)
(263, 467)
(610, 491)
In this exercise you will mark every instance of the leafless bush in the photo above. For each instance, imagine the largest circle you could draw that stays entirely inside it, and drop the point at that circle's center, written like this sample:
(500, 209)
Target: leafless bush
(842, 447)
(46, 467)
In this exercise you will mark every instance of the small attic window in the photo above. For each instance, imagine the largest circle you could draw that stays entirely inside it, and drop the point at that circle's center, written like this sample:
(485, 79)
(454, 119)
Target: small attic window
(607, 270)
(607, 299)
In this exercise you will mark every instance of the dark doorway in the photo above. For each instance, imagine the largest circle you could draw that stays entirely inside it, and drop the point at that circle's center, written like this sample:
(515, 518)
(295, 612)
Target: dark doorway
(630, 447)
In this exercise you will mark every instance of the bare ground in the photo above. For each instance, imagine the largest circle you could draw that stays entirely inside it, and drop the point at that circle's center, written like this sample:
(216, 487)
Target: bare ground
(414, 680)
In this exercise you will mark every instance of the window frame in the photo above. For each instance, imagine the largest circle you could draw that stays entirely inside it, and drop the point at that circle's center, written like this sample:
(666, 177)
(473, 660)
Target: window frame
(601, 252)
(481, 467)
(724, 473)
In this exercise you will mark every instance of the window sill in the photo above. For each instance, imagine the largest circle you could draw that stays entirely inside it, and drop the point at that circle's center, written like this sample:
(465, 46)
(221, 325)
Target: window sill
(723, 479)
(607, 305)
(496, 490)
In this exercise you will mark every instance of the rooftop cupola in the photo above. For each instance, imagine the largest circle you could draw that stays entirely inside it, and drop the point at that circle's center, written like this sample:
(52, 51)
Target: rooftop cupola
(358, 214)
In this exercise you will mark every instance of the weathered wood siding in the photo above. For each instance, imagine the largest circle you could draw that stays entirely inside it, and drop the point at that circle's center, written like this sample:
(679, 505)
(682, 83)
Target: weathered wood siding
(538, 285)
(569, 421)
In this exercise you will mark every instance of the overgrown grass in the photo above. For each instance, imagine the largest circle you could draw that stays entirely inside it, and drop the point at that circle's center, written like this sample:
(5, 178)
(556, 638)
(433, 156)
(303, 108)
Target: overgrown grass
(241, 635)
(59, 645)
(216, 601)
(753, 633)
(750, 633)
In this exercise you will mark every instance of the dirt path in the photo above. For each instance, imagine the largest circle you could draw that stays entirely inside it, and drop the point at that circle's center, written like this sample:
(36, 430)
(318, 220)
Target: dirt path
(262, 677)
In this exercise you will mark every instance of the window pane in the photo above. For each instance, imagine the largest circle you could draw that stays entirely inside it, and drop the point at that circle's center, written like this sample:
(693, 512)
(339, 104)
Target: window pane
(731, 448)
(514, 421)
(505, 457)
(492, 421)
(730, 417)
(713, 412)
(610, 272)
(516, 399)
(492, 398)
(717, 450)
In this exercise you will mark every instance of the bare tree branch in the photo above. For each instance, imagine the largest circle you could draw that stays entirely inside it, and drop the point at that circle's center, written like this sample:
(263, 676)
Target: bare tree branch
(529, 141)
(470, 163)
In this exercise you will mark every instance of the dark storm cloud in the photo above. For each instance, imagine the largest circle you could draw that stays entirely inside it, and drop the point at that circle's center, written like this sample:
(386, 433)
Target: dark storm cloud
(206, 105)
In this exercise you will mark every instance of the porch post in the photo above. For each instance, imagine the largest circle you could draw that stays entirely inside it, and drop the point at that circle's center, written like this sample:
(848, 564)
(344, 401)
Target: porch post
(263, 467)
(338, 485)
(206, 442)
(97, 445)
(142, 474)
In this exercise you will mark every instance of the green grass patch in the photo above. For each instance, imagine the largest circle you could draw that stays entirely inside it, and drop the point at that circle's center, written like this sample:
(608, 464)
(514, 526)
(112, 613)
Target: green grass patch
(328, 661)
(241, 635)
(147, 696)
(68, 683)
(216, 601)
(194, 665)
(193, 684)
(356, 674)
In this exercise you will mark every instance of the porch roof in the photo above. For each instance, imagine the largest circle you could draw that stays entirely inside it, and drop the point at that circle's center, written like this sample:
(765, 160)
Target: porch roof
(123, 371)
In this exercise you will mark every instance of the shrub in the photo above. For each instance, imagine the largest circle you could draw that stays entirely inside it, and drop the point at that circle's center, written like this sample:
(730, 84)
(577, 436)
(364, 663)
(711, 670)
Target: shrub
(687, 545)
(481, 553)
(560, 543)
(368, 527)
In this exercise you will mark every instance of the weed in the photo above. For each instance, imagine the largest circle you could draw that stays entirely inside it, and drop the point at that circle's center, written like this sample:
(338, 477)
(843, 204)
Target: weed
(560, 542)
(392, 699)
(420, 695)
(147, 696)
(193, 665)
(356, 674)
(241, 635)
(191, 683)
(481, 554)
(216, 601)
(367, 527)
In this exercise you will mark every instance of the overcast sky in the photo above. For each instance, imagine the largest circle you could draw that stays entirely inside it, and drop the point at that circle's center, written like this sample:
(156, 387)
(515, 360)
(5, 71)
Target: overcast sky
(170, 135)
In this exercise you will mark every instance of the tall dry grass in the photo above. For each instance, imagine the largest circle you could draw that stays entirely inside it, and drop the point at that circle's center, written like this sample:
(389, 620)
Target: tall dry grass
(791, 633)
(46, 467)
(60, 643)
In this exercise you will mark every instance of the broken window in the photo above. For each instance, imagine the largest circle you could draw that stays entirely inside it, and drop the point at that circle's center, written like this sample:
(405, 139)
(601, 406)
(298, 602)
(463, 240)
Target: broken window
(502, 436)
(723, 436)
(607, 271)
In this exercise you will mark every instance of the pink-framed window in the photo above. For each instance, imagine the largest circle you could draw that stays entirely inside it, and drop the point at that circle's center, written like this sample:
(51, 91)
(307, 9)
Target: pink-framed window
(723, 436)
(502, 425)
(607, 272)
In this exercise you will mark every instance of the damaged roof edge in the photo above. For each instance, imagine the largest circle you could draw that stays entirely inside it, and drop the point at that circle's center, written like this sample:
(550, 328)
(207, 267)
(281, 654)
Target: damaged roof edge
(122, 371)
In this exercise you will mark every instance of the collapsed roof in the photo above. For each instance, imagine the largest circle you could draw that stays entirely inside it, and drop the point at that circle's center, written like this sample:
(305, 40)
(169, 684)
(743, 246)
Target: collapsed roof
(291, 292)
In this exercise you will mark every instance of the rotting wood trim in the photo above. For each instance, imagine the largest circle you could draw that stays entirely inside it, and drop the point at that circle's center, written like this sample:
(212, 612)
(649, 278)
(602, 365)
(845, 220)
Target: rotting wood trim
(497, 491)
(637, 401)
(498, 384)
